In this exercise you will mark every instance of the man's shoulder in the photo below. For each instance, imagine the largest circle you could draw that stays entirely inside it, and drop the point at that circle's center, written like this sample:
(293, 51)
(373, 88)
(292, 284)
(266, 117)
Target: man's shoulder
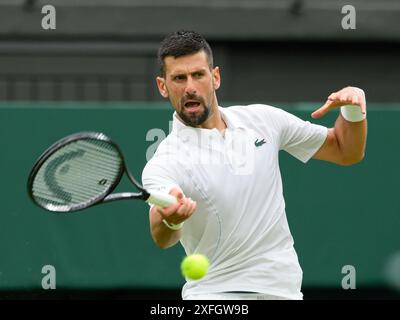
(250, 112)
(168, 146)
(164, 156)
(251, 109)
(166, 152)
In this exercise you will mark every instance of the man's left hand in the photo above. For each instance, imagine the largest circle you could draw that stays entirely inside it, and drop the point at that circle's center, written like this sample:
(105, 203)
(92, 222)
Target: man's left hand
(346, 96)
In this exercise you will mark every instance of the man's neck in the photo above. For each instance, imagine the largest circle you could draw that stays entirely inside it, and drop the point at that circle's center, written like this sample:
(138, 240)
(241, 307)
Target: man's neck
(215, 121)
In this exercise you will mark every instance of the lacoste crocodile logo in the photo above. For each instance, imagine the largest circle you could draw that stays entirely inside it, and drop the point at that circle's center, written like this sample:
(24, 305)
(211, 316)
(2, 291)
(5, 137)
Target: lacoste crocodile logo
(259, 143)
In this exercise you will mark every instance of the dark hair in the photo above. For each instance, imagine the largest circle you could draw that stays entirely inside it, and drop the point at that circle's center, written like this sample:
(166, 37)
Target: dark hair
(182, 43)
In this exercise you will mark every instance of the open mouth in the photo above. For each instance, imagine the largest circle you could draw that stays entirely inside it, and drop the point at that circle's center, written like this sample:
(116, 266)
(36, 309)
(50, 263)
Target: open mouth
(192, 106)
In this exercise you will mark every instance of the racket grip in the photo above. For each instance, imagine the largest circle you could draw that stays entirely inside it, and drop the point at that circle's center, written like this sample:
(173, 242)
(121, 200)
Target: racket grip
(161, 199)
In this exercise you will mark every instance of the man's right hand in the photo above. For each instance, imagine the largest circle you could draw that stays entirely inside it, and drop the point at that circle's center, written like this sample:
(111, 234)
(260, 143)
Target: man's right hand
(178, 212)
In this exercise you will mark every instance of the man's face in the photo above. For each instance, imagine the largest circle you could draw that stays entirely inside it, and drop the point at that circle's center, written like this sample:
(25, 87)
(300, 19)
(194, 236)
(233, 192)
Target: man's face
(190, 85)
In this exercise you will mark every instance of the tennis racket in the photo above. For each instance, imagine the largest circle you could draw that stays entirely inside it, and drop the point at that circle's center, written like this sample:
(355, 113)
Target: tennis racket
(82, 170)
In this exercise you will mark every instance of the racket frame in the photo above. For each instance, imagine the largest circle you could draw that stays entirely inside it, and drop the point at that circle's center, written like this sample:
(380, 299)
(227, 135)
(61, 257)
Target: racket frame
(107, 195)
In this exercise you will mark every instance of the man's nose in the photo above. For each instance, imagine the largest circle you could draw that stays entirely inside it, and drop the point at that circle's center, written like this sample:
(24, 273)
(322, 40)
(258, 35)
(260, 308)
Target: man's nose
(190, 86)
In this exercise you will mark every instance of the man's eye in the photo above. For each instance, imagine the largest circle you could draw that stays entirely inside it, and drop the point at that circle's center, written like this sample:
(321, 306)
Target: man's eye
(179, 78)
(198, 75)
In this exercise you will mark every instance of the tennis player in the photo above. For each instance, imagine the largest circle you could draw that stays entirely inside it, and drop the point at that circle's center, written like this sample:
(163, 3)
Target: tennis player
(222, 165)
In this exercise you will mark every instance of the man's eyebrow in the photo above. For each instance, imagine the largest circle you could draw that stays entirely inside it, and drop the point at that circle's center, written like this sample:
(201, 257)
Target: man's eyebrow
(179, 73)
(182, 73)
(200, 70)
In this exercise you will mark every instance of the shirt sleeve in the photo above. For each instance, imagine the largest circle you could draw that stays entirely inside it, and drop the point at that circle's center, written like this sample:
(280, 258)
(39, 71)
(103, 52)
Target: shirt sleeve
(299, 138)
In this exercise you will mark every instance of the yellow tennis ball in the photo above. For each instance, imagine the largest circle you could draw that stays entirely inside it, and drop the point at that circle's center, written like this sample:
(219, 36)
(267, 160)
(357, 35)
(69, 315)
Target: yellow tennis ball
(195, 266)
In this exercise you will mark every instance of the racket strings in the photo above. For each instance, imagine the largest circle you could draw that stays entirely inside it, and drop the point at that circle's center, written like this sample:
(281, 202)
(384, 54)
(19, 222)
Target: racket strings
(77, 174)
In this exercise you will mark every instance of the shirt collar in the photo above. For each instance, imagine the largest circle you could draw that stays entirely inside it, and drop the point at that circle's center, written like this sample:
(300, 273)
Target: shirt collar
(230, 121)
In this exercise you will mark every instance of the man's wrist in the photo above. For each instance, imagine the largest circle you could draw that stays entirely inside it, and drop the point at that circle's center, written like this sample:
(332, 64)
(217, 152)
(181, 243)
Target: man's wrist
(173, 226)
(352, 113)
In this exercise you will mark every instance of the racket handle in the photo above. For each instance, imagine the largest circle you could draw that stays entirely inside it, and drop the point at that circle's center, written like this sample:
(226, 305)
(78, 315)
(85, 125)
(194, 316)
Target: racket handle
(161, 199)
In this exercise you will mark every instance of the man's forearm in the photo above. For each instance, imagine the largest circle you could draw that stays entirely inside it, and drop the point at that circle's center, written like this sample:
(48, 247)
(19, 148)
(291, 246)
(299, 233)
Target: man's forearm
(163, 236)
(351, 138)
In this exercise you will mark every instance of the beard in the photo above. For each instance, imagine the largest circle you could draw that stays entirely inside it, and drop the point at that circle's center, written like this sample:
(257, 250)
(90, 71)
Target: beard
(194, 119)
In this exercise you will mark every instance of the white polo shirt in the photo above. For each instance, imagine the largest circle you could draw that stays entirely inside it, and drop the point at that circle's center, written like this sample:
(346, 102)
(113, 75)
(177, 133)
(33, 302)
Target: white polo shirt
(240, 221)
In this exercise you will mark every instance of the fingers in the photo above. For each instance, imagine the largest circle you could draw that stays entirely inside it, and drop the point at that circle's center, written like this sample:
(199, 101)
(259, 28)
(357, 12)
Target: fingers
(348, 95)
(176, 193)
(354, 96)
(187, 208)
(166, 212)
(178, 212)
(361, 100)
(322, 110)
(334, 96)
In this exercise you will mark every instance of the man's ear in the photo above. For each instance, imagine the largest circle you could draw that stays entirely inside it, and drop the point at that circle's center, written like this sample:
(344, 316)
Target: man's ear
(216, 78)
(162, 87)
